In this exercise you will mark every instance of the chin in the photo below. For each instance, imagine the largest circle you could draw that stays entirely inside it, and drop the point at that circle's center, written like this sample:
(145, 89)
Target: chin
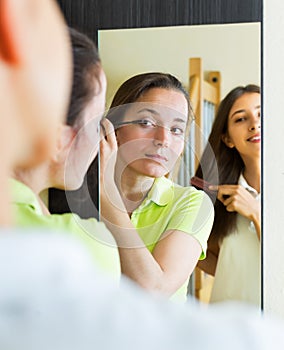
(73, 185)
(157, 170)
(152, 171)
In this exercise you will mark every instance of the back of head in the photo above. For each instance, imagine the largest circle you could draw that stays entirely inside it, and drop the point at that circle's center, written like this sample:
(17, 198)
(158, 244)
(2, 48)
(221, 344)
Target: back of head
(86, 75)
(35, 75)
(86, 85)
(35, 80)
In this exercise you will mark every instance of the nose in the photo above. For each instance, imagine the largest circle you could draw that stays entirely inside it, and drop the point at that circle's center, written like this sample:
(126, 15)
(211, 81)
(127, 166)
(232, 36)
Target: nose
(161, 137)
(255, 123)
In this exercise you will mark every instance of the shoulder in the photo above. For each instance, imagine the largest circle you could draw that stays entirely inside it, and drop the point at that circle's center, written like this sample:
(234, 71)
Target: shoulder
(69, 223)
(196, 203)
(72, 222)
(191, 193)
(164, 184)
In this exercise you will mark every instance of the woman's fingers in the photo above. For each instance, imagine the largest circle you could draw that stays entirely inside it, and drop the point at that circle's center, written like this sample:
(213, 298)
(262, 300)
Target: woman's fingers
(235, 198)
(232, 196)
(228, 200)
(102, 131)
(108, 150)
(107, 133)
(224, 193)
(107, 126)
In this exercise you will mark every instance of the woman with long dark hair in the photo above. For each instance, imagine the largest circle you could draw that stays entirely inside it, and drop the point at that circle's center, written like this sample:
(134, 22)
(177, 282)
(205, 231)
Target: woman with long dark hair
(234, 244)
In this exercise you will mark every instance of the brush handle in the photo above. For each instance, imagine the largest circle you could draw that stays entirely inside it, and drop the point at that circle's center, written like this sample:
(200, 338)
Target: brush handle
(202, 184)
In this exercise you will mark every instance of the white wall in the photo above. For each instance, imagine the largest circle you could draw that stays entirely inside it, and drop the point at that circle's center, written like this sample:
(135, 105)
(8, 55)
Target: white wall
(273, 170)
(234, 49)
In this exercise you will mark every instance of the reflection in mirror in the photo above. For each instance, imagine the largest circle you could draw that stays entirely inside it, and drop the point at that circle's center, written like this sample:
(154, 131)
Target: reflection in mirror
(232, 51)
(235, 143)
(151, 114)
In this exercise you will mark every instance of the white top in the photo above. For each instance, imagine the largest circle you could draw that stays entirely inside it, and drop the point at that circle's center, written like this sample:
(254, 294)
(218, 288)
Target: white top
(238, 274)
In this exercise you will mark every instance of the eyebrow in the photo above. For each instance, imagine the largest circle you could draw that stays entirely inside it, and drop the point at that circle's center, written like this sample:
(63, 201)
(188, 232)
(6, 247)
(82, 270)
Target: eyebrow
(152, 111)
(242, 111)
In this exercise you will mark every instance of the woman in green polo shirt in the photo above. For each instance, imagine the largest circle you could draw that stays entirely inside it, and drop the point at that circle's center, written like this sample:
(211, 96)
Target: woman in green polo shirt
(77, 145)
(161, 228)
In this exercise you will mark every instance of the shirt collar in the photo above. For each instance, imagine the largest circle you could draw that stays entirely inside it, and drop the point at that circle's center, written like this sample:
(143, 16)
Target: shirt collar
(243, 182)
(22, 194)
(161, 192)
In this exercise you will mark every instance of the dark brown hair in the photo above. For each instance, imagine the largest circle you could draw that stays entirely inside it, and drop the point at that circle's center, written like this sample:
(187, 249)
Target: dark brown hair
(136, 86)
(86, 75)
(86, 85)
(221, 162)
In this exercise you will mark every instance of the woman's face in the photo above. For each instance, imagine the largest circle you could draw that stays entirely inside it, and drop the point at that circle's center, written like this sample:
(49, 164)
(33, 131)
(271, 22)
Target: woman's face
(152, 144)
(86, 143)
(244, 126)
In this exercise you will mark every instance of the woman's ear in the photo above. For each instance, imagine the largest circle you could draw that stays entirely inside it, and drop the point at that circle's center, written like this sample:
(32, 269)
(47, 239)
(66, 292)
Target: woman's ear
(64, 139)
(10, 33)
(227, 141)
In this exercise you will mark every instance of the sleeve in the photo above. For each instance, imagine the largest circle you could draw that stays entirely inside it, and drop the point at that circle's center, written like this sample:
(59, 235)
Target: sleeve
(194, 214)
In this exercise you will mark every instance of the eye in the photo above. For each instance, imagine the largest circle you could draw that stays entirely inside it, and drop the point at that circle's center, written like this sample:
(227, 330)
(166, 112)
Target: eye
(146, 123)
(240, 119)
(177, 131)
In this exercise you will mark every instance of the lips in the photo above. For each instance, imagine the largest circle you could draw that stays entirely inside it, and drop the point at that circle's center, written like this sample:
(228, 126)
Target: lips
(254, 138)
(157, 157)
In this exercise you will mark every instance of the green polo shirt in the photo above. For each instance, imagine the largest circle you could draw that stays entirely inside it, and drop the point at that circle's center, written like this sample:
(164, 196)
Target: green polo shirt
(28, 213)
(169, 206)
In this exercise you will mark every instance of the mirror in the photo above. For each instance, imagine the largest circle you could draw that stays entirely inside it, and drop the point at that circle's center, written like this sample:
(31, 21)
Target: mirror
(92, 16)
(231, 49)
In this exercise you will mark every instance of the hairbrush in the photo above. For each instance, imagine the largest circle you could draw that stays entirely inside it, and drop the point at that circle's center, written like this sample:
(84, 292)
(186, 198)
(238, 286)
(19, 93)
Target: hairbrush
(202, 184)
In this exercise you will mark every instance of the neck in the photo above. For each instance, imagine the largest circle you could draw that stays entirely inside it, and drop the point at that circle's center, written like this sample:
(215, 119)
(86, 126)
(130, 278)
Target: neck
(133, 187)
(36, 179)
(252, 173)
